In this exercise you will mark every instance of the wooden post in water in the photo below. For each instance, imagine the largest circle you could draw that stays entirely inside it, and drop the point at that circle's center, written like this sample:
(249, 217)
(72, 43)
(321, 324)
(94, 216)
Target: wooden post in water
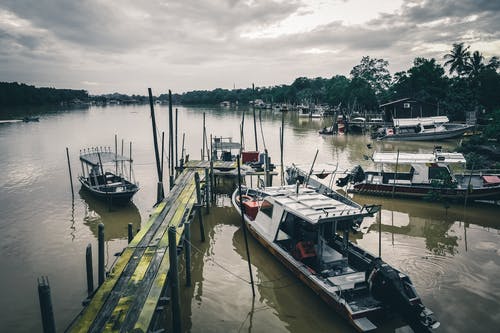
(282, 144)
(187, 252)
(176, 141)
(159, 192)
(46, 310)
(207, 190)
(212, 180)
(130, 233)
(255, 128)
(244, 226)
(266, 168)
(380, 233)
(203, 139)
(199, 205)
(101, 274)
(116, 154)
(173, 275)
(171, 139)
(90, 270)
(70, 174)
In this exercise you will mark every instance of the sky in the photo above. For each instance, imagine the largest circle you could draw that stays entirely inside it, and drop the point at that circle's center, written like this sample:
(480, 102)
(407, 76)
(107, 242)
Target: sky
(126, 46)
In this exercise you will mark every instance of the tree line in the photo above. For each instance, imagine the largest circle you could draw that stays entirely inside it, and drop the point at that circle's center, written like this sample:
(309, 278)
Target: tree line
(20, 94)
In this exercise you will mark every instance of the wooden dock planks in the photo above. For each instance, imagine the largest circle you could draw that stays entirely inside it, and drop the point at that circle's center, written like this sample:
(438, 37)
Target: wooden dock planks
(128, 298)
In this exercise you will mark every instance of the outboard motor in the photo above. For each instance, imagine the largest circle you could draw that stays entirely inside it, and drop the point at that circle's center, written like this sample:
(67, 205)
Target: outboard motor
(356, 175)
(387, 287)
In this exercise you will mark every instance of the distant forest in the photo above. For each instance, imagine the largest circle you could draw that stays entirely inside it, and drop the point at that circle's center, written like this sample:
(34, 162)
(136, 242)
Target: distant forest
(19, 94)
(471, 83)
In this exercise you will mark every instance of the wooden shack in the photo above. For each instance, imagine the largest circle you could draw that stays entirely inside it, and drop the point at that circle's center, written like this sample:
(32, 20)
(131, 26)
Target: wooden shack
(408, 108)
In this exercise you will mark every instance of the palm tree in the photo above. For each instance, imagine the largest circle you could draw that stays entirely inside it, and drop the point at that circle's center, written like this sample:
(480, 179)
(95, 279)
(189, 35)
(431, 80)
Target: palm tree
(457, 58)
(494, 63)
(474, 64)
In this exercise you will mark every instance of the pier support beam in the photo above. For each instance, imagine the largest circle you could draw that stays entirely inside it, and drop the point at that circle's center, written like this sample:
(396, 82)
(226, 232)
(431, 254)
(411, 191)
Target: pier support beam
(130, 233)
(207, 190)
(90, 270)
(187, 252)
(199, 205)
(174, 280)
(46, 310)
(100, 263)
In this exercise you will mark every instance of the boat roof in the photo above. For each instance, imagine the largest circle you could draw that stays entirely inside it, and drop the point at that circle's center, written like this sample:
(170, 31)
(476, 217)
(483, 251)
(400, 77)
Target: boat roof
(92, 158)
(418, 158)
(314, 207)
(403, 122)
(318, 169)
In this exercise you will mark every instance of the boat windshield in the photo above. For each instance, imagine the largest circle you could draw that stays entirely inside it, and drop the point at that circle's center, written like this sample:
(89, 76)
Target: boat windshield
(267, 208)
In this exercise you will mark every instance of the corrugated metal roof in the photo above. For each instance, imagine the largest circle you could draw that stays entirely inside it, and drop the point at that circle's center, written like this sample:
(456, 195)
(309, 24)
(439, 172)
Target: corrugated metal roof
(418, 158)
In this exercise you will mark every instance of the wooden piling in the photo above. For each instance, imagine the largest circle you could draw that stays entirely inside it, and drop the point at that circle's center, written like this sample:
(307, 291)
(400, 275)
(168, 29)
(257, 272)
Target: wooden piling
(155, 141)
(70, 175)
(207, 191)
(244, 227)
(100, 251)
(199, 205)
(266, 168)
(171, 136)
(90, 270)
(46, 310)
(212, 180)
(380, 233)
(176, 139)
(130, 233)
(173, 275)
(187, 252)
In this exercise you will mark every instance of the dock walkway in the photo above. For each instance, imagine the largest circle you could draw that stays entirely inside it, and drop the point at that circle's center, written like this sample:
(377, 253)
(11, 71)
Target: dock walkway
(128, 298)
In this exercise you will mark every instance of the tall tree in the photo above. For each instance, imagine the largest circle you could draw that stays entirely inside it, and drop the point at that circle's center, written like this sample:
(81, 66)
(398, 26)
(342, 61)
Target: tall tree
(457, 58)
(475, 64)
(374, 71)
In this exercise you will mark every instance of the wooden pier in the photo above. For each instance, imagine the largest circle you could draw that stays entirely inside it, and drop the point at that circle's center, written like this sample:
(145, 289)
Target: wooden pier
(132, 292)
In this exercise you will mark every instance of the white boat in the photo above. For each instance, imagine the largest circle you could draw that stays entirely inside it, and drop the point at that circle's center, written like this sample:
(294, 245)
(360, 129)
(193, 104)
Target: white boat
(422, 129)
(302, 228)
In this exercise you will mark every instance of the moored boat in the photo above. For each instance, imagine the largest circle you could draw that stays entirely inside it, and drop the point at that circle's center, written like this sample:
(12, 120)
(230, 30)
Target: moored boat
(430, 174)
(422, 129)
(309, 233)
(104, 175)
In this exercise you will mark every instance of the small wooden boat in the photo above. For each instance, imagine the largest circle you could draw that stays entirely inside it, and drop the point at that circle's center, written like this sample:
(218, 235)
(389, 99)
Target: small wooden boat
(309, 233)
(31, 119)
(429, 174)
(104, 175)
(422, 129)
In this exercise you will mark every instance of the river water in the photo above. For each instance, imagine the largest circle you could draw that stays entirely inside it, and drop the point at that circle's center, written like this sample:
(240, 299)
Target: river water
(452, 255)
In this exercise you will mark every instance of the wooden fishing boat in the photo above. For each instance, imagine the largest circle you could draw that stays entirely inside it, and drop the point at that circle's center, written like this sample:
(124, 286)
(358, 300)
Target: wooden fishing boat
(104, 175)
(422, 129)
(429, 174)
(309, 233)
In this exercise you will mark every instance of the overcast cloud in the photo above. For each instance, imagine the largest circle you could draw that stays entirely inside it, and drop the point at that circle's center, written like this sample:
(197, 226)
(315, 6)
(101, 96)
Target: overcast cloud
(126, 46)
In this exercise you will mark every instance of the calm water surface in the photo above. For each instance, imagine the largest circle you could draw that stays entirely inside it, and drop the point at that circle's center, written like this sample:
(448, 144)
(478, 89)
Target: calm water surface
(452, 255)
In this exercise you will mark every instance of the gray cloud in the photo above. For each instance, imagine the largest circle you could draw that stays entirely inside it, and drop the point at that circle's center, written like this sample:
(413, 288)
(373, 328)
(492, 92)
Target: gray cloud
(124, 45)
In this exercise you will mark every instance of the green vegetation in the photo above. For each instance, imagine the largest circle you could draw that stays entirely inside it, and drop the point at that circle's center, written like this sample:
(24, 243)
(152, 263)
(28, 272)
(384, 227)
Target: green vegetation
(19, 94)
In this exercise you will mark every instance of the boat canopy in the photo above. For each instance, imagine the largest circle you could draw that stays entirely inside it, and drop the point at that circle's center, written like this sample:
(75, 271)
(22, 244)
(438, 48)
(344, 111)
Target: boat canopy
(418, 158)
(225, 144)
(318, 169)
(409, 122)
(92, 158)
(316, 208)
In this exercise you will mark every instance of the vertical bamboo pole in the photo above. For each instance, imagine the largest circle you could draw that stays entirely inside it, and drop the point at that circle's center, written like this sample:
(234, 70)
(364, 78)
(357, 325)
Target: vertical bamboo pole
(70, 174)
(244, 227)
(159, 192)
(100, 242)
(171, 139)
(199, 205)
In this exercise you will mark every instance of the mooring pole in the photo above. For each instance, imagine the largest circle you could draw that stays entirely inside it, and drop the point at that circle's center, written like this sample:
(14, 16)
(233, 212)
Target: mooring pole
(159, 192)
(266, 168)
(160, 189)
(46, 310)
(282, 144)
(70, 174)
(171, 139)
(212, 180)
(116, 154)
(255, 128)
(100, 254)
(203, 143)
(174, 280)
(207, 190)
(176, 138)
(90, 270)
(395, 175)
(187, 252)
(380, 233)
(244, 227)
(130, 233)
(199, 204)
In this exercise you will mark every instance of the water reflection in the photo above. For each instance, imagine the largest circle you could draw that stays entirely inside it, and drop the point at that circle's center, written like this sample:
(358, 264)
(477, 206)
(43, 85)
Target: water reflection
(115, 219)
(431, 221)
